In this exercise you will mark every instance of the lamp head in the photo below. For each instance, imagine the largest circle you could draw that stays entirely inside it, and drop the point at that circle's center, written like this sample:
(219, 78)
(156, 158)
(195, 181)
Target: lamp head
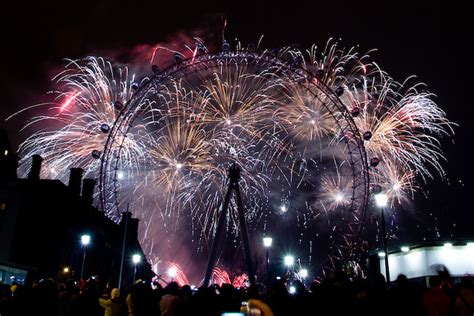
(136, 258)
(267, 241)
(289, 261)
(85, 240)
(381, 199)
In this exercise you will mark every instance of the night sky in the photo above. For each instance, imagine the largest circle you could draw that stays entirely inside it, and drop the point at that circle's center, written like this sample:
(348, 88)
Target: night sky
(429, 39)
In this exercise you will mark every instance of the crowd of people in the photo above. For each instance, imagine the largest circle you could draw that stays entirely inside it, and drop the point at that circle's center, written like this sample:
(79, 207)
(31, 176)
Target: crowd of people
(336, 295)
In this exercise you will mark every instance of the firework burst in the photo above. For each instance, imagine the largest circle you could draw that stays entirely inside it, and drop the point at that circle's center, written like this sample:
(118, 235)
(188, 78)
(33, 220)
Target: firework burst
(300, 125)
(87, 102)
(400, 128)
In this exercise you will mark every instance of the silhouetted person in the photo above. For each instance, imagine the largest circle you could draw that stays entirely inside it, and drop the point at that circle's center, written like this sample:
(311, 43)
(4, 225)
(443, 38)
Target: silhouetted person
(140, 300)
(43, 299)
(112, 304)
(184, 306)
(278, 299)
(405, 297)
(204, 301)
(465, 298)
(436, 300)
(378, 295)
(301, 299)
(170, 300)
(69, 300)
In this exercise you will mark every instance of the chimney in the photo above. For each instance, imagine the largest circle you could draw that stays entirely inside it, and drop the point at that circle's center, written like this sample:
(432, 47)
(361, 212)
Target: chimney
(88, 186)
(75, 178)
(35, 169)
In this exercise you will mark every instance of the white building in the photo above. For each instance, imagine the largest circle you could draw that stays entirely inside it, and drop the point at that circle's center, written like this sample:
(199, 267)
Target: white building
(422, 261)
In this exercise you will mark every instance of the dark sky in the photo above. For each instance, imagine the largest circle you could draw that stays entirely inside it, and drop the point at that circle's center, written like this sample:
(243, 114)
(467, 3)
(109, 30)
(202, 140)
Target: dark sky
(429, 39)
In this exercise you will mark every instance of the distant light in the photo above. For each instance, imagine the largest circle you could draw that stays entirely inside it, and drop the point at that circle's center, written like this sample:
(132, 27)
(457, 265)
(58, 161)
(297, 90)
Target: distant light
(292, 289)
(448, 244)
(193, 287)
(136, 258)
(228, 122)
(289, 261)
(278, 278)
(66, 270)
(6, 152)
(381, 254)
(339, 197)
(267, 241)
(381, 199)
(179, 165)
(283, 208)
(405, 249)
(303, 273)
(120, 175)
(85, 239)
(172, 272)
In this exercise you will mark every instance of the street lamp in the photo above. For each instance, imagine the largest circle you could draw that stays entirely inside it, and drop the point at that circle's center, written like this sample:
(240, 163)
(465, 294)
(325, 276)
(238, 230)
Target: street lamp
(85, 240)
(289, 261)
(267, 242)
(381, 199)
(303, 273)
(136, 258)
(292, 289)
(172, 273)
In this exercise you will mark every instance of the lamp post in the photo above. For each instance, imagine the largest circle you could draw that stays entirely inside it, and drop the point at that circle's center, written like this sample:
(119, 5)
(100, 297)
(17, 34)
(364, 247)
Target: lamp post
(267, 242)
(136, 258)
(289, 262)
(382, 200)
(85, 240)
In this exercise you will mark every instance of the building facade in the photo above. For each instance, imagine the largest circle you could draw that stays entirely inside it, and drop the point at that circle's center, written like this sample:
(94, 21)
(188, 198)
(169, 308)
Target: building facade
(42, 221)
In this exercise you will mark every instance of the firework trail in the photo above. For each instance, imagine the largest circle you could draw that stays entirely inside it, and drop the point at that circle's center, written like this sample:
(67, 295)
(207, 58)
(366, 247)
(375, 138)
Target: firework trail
(220, 276)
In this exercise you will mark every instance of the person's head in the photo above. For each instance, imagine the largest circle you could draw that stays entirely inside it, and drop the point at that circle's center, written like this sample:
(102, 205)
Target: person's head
(172, 288)
(279, 288)
(186, 290)
(115, 293)
(402, 279)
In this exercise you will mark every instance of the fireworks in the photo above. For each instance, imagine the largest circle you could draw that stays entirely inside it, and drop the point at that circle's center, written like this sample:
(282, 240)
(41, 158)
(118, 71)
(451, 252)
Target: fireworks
(308, 130)
(73, 130)
(403, 126)
(220, 277)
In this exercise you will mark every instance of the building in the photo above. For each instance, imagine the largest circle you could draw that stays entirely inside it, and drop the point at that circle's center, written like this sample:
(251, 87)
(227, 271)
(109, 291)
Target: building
(42, 221)
(422, 260)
